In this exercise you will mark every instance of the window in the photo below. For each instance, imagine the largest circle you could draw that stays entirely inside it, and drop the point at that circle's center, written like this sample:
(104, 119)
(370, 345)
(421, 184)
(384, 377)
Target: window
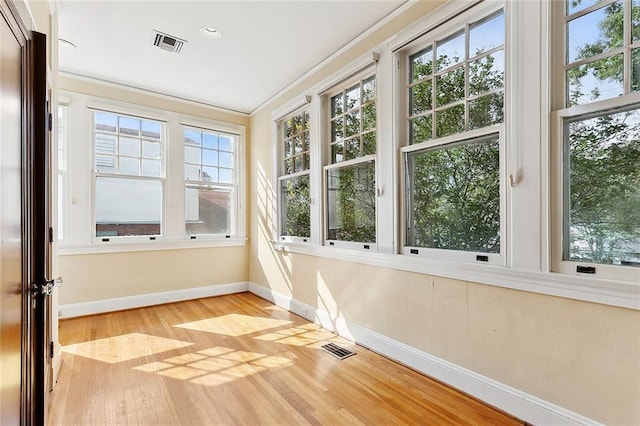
(598, 142)
(62, 169)
(210, 164)
(351, 173)
(129, 176)
(295, 213)
(452, 154)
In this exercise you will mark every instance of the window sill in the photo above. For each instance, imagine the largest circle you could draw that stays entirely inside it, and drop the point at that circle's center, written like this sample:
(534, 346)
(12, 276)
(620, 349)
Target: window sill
(615, 293)
(122, 247)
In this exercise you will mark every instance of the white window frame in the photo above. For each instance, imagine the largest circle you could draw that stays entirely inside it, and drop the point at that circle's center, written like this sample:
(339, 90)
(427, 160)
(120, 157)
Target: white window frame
(61, 160)
(403, 56)
(235, 219)
(340, 88)
(80, 221)
(282, 177)
(95, 174)
(560, 114)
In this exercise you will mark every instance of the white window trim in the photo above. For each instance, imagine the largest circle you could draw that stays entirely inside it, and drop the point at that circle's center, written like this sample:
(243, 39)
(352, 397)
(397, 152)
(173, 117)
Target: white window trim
(95, 175)
(277, 117)
(78, 233)
(458, 255)
(62, 198)
(363, 68)
(235, 220)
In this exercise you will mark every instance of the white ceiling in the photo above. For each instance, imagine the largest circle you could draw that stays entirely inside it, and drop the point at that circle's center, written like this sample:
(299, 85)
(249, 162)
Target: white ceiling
(266, 45)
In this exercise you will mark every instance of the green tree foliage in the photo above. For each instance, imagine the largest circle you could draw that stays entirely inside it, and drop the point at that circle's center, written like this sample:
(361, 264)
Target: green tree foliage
(604, 157)
(354, 218)
(296, 209)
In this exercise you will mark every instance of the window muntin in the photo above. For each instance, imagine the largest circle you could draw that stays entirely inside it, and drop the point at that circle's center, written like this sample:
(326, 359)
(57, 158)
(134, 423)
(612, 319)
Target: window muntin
(601, 44)
(129, 176)
(602, 192)
(351, 201)
(453, 196)
(456, 84)
(210, 173)
(350, 177)
(294, 179)
(353, 122)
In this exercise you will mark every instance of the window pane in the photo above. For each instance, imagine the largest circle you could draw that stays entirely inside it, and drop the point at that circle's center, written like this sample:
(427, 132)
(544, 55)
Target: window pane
(577, 5)
(151, 168)
(297, 145)
(635, 17)
(353, 97)
(61, 197)
(210, 140)
(635, 70)
(287, 148)
(129, 166)
(420, 129)
(450, 51)
(105, 164)
(226, 143)
(369, 117)
(369, 90)
(129, 126)
(369, 143)
(209, 210)
(151, 129)
(105, 144)
(295, 217)
(150, 149)
(105, 122)
(421, 64)
(226, 176)
(297, 163)
(192, 154)
(337, 152)
(604, 189)
(210, 174)
(420, 98)
(129, 147)
(351, 203)
(486, 111)
(450, 121)
(337, 105)
(352, 148)
(352, 123)
(191, 172)
(454, 197)
(450, 87)
(487, 73)
(288, 166)
(597, 80)
(594, 33)
(336, 130)
(486, 34)
(126, 207)
(210, 157)
(192, 137)
(226, 159)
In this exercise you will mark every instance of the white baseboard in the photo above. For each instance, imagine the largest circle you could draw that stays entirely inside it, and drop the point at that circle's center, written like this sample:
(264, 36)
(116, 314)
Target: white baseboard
(120, 303)
(520, 404)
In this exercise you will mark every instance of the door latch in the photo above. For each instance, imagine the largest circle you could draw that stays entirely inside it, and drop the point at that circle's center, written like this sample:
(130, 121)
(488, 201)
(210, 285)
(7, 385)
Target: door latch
(46, 288)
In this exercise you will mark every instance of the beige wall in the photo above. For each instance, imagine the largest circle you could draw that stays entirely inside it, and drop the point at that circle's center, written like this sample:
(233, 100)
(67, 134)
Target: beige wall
(92, 277)
(581, 356)
(104, 276)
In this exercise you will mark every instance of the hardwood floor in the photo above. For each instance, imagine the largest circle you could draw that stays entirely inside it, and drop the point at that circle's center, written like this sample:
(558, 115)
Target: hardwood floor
(237, 359)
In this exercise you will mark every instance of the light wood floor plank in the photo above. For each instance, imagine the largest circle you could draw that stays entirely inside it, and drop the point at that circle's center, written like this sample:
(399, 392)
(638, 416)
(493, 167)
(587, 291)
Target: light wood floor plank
(238, 360)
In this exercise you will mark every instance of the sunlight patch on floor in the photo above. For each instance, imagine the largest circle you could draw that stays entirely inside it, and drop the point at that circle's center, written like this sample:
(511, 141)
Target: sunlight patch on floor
(299, 336)
(235, 324)
(215, 366)
(124, 348)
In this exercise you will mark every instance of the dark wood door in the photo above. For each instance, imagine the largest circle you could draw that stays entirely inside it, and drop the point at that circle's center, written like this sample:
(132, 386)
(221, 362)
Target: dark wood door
(24, 212)
(12, 213)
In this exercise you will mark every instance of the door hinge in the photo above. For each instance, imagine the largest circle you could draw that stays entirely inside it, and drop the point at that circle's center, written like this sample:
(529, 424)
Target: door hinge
(51, 235)
(51, 349)
(50, 122)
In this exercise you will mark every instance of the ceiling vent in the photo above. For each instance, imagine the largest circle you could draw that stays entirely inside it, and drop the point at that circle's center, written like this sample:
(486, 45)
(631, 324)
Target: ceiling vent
(167, 42)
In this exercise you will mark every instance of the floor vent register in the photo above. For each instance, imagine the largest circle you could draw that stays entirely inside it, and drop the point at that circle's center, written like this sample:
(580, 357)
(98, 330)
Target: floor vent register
(337, 351)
